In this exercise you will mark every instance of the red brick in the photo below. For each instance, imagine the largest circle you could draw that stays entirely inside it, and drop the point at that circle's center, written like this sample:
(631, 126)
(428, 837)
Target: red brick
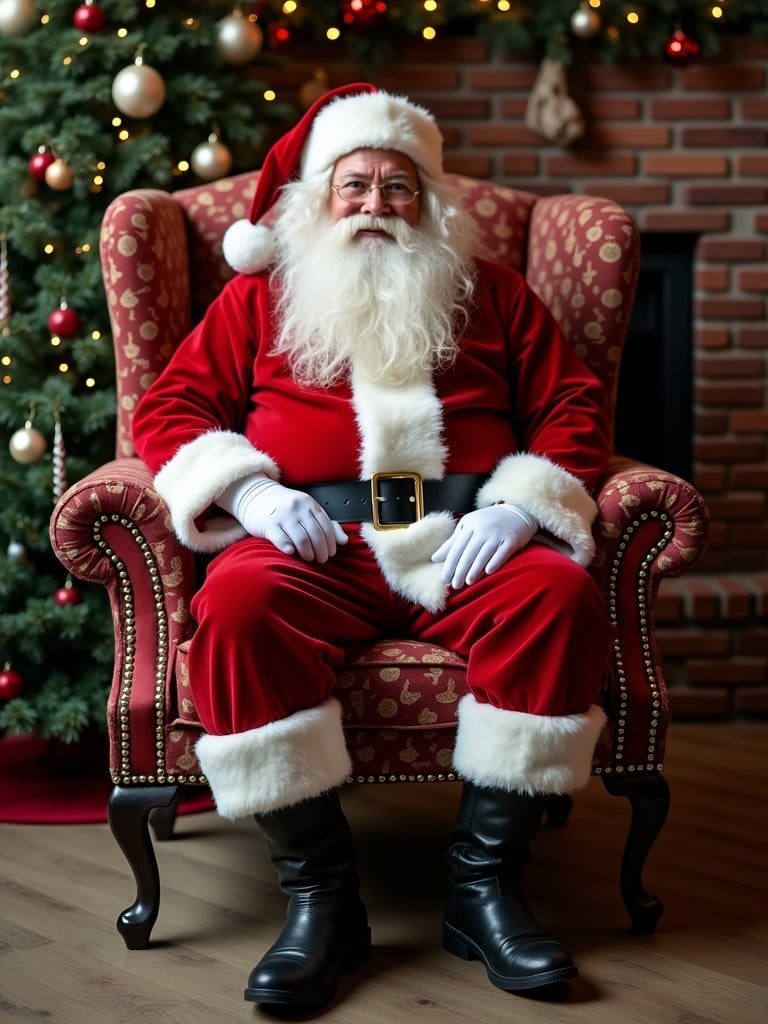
(727, 309)
(628, 194)
(737, 599)
(760, 584)
(418, 79)
(738, 505)
(731, 249)
(520, 163)
(754, 107)
(578, 165)
(734, 364)
(753, 337)
(708, 421)
(712, 337)
(501, 135)
(724, 138)
(719, 394)
(712, 703)
(597, 107)
(726, 450)
(761, 222)
(755, 421)
(687, 641)
(641, 136)
(751, 641)
(672, 220)
(752, 700)
(753, 279)
(700, 599)
(672, 109)
(725, 195)
(444, 107)
(729, 672)
(473, 165)
(513, 107)
(687, 165)
(712, 279)
(466, 49)
(754, 475)
(723, 78)
(503, 79)
(752, 164)
(636, 79)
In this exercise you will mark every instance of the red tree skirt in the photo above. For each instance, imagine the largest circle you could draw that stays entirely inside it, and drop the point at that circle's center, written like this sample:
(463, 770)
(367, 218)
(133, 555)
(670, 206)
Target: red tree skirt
(45, 782)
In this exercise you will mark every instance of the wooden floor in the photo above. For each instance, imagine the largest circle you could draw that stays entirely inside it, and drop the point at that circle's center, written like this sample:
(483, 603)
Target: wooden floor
(62, 961)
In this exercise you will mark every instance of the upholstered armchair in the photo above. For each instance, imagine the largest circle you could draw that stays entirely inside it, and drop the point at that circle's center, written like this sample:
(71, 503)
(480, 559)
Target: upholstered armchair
(162, 265)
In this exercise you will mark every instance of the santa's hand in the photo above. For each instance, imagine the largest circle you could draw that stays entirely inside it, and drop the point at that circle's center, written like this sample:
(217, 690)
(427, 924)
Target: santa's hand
(483, 541)
(292, 520)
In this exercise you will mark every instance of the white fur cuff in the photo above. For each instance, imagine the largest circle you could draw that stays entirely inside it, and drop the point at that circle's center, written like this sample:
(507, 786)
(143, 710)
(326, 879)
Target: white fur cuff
(557, 499)
(277, 765)
(198, 473)
(515, 751)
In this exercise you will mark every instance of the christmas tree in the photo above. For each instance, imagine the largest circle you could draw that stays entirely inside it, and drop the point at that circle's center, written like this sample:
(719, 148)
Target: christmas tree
(96, 98)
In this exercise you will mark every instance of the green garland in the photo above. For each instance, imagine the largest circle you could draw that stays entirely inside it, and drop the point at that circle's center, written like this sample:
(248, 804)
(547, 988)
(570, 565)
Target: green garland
(372, 28)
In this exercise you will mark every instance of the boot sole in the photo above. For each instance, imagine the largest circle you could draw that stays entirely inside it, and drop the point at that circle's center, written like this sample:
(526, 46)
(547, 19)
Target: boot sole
(350, 961)
(465, 949)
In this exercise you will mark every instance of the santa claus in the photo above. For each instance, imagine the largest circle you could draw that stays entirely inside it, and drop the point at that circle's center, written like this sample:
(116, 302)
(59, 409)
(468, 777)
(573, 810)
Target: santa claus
(379, 433)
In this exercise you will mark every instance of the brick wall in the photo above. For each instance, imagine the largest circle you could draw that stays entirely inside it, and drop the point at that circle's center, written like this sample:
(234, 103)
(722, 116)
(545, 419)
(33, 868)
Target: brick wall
(683, 150)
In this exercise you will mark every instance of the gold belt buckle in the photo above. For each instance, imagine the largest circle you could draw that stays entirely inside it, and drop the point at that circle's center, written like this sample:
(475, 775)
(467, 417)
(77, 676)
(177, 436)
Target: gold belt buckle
(417, 498)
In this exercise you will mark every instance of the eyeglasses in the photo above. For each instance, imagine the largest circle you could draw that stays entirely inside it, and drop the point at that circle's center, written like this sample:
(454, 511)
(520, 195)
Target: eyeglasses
(394, 193)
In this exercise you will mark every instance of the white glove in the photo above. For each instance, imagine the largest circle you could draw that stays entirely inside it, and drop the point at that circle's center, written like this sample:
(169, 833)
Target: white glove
(483, 541)
(292, 520)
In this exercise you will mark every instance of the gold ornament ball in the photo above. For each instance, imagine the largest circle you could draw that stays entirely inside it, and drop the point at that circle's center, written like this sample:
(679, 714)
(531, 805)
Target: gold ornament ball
(238, 39)
(59, 175)
(138, 91)
(27, 446)
(17, 17)
(211, 160)
(585, 22)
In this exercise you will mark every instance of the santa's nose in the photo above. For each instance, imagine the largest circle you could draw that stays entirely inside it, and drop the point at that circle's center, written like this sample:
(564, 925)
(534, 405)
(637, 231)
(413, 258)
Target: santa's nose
(374, 202)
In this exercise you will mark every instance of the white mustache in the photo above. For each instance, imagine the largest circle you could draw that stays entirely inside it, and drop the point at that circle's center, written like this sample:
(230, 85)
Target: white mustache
(395, 227)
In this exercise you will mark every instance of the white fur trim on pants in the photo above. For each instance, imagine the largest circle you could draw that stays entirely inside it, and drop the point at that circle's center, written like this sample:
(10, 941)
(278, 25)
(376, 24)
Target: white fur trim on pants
(276, 765)
(518, 752)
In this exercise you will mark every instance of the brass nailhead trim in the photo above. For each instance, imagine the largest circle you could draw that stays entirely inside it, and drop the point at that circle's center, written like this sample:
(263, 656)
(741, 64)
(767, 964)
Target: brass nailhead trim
(645, 641)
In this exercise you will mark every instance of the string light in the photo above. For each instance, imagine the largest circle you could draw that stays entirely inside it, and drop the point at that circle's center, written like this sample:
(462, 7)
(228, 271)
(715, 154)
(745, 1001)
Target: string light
(333, 34)
(633, 17)
(270, 95)
(429, 33)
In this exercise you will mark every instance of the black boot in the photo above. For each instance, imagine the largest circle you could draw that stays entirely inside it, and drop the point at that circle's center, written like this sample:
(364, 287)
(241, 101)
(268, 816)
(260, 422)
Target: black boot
(486, 917)
(326, 930)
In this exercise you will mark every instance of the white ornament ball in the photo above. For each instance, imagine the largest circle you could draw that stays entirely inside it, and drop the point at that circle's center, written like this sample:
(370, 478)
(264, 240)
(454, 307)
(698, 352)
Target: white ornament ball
(17, 553)
(17, 16)
(211, 160)
(585, 22)
(138, 90)
(27, 445)
(238, 39)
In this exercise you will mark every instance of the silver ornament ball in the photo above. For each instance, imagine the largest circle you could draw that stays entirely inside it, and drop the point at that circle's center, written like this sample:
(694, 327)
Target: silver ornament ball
(17, 553)
(138, 90)
(238, 39)
(17, 17)
(211, 160)
(585, 22)
(27, 445)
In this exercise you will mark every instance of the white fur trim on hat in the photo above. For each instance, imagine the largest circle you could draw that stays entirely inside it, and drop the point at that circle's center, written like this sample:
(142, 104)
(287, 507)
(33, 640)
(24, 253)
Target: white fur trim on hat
(248, 248)
(276, 765)
(523, 753)
(373, 121)
(197, 474)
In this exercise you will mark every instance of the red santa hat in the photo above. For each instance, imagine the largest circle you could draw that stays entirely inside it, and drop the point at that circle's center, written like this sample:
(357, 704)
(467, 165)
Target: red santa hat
(358, 116)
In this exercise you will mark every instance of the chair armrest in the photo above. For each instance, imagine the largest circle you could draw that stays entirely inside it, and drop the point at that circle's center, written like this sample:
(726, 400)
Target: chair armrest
(112, 528)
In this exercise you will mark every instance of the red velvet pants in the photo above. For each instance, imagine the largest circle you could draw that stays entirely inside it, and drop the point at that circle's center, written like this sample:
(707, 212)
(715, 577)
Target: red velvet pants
(272, 629)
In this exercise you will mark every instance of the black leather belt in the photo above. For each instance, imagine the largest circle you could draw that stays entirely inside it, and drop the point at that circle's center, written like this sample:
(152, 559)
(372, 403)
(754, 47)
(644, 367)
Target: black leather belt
(393, 500)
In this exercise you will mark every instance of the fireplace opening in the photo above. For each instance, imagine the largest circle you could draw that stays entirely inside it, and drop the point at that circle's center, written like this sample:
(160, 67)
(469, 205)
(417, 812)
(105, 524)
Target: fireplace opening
(654, 410)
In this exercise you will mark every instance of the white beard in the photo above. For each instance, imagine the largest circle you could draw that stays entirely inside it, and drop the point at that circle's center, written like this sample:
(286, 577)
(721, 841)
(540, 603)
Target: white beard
(391, 306)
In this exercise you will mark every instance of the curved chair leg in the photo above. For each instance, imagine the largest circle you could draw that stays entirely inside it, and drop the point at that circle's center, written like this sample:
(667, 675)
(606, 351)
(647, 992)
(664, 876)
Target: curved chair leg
(163, 819)
(649, 798)
(128, 811)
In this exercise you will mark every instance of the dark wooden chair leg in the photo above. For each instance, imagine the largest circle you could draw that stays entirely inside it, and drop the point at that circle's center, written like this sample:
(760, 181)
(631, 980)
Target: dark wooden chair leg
(129, 808)
(557, 809)
(649, 798)
(163, 819)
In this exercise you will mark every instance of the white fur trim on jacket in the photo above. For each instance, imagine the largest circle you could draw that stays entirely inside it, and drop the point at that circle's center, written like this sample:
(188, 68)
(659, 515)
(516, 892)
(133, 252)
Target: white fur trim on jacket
(515, 751)
(197, 474)
(558, 500)
(276, 765)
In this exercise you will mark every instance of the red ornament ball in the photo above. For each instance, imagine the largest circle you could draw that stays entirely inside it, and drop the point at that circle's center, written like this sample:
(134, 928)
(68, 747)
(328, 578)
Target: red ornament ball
(40, 163)
(11, 683)
(64, 322)
(681, 49)
(89, 17)
(67, 595)
(363, 13)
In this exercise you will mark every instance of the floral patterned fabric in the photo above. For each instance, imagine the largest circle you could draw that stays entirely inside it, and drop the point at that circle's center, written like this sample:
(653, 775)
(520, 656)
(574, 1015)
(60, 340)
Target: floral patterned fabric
(162, 262)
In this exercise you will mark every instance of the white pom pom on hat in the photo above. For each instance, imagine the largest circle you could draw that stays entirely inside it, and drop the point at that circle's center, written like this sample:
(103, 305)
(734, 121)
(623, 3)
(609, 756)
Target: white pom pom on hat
(357, 116)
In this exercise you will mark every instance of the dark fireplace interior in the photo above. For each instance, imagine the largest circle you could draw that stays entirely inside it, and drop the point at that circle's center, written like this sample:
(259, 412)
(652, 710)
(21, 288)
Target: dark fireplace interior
(654, 420)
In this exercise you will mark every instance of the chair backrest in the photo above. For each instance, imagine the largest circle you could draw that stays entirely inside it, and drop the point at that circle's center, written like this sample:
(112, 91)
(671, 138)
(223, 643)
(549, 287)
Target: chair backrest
(163, 265)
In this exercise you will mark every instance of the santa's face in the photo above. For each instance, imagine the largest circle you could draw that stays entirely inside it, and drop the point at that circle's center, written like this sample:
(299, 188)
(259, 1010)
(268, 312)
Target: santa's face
(368, 171)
